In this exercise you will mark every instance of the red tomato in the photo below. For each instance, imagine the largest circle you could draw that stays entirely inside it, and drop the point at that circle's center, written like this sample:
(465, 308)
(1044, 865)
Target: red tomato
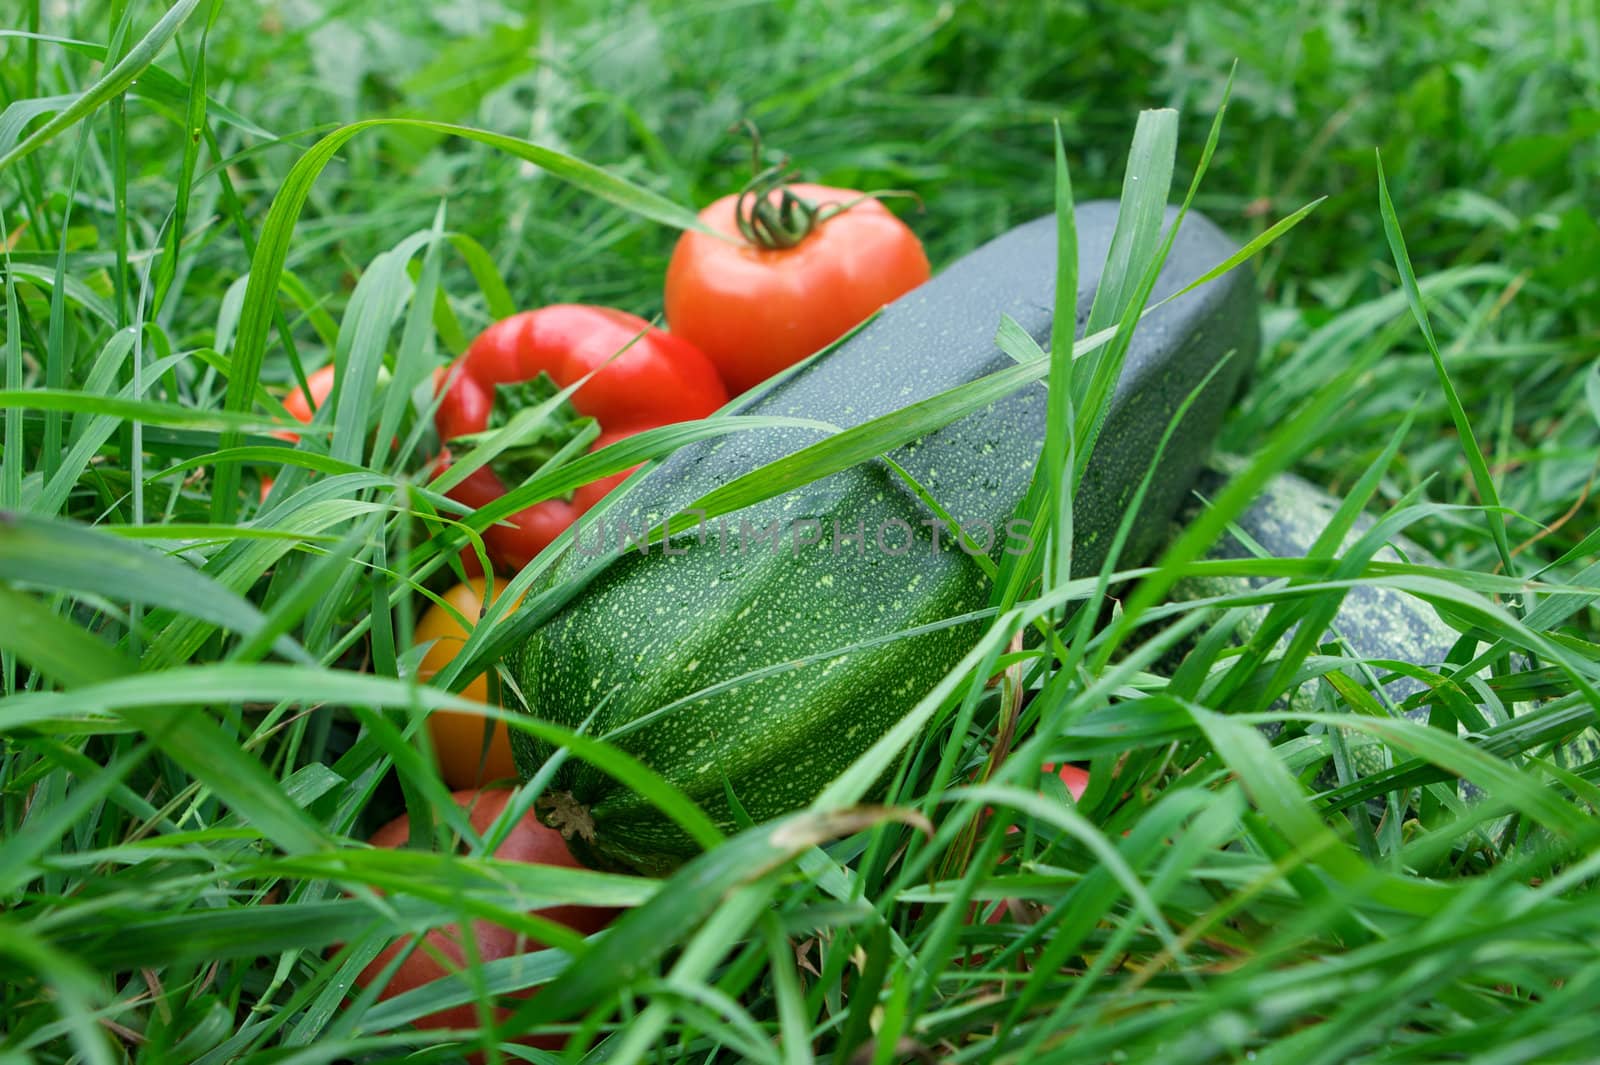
(458, 737)
(756, 308)
(1076, 779)
(657, 379)
(301, 408)
(528, 842)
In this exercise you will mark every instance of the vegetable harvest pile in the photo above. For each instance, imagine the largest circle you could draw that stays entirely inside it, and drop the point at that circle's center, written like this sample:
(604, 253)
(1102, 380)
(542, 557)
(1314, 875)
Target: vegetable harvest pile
(791, 598)
(906, 615)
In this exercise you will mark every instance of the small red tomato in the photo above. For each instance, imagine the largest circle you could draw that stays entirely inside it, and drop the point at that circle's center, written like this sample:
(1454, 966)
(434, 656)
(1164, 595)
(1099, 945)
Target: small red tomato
(530, 842)
(458, 737)
(1076, 779)
(804, 269)
(300, 406)
(642, 378)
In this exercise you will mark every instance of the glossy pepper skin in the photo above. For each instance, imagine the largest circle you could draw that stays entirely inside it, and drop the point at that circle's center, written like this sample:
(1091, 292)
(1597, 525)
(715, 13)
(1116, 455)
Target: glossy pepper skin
(656, 380)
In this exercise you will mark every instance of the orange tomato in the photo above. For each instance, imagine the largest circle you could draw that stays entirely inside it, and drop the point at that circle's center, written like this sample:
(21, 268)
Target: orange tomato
(457, 736)
(529, 842)
(758, 306)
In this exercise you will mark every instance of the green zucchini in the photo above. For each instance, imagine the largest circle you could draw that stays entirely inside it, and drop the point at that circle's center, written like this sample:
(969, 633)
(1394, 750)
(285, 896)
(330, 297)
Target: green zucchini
(1374, 623)
(627, 657)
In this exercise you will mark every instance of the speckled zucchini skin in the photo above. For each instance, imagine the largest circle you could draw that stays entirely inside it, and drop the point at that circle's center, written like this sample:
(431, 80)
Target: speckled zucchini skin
(1377, 623)
(656, 629)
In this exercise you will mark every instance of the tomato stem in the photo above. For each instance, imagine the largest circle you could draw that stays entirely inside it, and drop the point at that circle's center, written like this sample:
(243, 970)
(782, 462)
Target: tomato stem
(776, 224)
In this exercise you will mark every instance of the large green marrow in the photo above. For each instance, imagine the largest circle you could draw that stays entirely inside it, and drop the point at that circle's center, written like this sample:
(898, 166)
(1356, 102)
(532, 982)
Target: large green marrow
(653, 630)
(1374, 623)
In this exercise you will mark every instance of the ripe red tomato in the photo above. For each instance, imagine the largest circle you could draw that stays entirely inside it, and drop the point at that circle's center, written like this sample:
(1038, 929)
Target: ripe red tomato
(756, 308)
(300, 406)
(458, 737)
(1076, 779)
(529, 841)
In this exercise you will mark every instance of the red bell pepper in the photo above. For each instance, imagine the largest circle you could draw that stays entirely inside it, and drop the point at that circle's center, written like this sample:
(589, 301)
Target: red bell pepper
(656, 379)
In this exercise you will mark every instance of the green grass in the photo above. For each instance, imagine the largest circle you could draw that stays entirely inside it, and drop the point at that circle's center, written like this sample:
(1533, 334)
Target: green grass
(205, 707)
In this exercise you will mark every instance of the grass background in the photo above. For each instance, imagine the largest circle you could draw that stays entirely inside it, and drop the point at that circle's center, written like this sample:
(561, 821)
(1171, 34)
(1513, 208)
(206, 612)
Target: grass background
(138, 843)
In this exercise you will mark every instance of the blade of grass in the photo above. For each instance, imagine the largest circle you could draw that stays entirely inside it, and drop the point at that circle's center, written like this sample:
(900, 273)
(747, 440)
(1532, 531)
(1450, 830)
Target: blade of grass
(1481, 477)
(110, 84)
